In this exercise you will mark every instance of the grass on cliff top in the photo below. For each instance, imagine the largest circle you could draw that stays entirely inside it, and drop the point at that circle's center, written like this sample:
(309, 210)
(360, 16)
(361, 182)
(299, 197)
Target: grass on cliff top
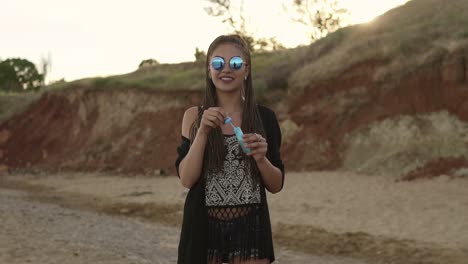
(271, 70)
(400, 41)
(11, 103)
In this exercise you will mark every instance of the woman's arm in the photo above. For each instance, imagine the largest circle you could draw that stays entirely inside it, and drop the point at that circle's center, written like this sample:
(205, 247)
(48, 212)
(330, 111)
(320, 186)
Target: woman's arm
(190, 167)
(272, 176)
(270, 166)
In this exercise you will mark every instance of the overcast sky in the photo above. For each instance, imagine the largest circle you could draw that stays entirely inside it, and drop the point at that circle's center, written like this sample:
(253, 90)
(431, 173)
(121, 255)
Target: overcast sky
(89, 38)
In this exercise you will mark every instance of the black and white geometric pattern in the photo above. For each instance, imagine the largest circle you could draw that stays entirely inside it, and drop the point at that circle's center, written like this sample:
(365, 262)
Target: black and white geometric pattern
(232, 185)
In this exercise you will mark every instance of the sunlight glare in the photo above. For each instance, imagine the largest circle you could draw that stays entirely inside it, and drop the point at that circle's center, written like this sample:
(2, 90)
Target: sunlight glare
(363, 11)
(266, 18)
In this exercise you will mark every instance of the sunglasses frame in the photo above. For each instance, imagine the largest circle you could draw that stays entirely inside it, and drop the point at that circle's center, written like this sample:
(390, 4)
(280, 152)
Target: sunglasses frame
(231, 63)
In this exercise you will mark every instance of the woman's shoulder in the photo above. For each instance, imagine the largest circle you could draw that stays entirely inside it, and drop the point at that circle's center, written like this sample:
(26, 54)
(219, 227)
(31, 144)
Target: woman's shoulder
(192, 112)
(190, 116)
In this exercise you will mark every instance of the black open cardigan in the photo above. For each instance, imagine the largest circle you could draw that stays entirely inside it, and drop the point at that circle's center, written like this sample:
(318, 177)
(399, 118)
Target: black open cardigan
(193, 237)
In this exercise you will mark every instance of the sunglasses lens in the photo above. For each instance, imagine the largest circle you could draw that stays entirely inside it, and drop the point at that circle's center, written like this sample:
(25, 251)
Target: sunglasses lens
(217, 63)
(236, 63)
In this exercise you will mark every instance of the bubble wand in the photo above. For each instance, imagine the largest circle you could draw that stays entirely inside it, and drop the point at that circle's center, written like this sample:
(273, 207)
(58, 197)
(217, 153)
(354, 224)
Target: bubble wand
(239, 135)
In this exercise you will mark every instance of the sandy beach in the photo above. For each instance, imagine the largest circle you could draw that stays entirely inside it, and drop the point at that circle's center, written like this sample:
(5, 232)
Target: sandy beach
(368, 219)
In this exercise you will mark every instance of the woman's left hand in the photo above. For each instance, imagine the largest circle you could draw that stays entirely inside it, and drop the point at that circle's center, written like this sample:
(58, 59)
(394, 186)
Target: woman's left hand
(257, 144)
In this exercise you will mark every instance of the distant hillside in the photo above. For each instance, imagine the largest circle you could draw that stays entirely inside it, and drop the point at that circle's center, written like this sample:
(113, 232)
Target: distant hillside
(389, 97)
(385, 97)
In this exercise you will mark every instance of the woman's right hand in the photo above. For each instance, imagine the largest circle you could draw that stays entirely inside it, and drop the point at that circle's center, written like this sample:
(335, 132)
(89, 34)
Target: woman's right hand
(212, 117)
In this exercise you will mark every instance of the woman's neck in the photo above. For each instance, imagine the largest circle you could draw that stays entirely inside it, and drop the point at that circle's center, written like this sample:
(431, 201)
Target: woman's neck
(230, 103)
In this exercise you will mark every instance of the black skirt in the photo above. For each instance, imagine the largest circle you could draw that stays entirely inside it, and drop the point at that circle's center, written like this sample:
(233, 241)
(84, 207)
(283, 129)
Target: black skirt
(195, 234)
(236, 233)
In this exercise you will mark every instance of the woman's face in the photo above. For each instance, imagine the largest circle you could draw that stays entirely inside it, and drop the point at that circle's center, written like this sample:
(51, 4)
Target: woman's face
(227, 79)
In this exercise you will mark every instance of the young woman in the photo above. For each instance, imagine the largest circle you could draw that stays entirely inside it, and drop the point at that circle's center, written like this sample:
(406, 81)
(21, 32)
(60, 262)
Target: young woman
(226, 217)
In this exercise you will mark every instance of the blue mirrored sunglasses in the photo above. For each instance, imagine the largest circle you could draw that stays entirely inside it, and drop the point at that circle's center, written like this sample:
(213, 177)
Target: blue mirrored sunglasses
(235, 63)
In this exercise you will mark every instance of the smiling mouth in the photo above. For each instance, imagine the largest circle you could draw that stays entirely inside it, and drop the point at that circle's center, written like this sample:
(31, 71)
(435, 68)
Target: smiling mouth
(227, 78)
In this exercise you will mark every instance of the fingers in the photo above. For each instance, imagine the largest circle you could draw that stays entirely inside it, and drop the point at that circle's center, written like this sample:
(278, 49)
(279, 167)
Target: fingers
(257, 154)
(258, 150)
(213, 117)
(216, 115)
(209, 123)
(256, 143)
(218, 112)
(252, 138)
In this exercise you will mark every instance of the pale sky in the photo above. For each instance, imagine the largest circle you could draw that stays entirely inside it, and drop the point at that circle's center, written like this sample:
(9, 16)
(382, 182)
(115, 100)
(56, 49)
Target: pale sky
(89, 38)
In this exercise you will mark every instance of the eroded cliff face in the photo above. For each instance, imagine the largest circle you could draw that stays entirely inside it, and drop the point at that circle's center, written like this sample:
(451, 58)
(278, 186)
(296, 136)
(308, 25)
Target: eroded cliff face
(388, 127)
(121, 130)
(354, 121)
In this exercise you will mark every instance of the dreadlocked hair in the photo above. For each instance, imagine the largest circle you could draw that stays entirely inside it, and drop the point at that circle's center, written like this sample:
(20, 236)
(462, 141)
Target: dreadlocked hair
(251, 120)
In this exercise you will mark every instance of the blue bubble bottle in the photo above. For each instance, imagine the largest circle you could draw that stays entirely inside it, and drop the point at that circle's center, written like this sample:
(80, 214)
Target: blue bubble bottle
(239, 135)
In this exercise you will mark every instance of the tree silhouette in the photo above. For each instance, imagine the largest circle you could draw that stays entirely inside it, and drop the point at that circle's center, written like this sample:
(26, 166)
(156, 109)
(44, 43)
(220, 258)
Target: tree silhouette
(19, 75)
(200, 56)
(321, 17)
(237, 21)
(148, 63)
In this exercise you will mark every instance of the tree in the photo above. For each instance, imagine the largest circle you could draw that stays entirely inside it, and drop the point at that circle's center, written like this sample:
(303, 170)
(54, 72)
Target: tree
(222, 8)
(200, 55)
(321, 17)
(19, 75)
(234, 16)
(148, 63)
(8, 80)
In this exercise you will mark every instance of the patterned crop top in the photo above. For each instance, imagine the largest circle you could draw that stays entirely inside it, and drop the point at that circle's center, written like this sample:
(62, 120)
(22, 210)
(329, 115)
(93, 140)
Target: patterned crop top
(232, 184)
